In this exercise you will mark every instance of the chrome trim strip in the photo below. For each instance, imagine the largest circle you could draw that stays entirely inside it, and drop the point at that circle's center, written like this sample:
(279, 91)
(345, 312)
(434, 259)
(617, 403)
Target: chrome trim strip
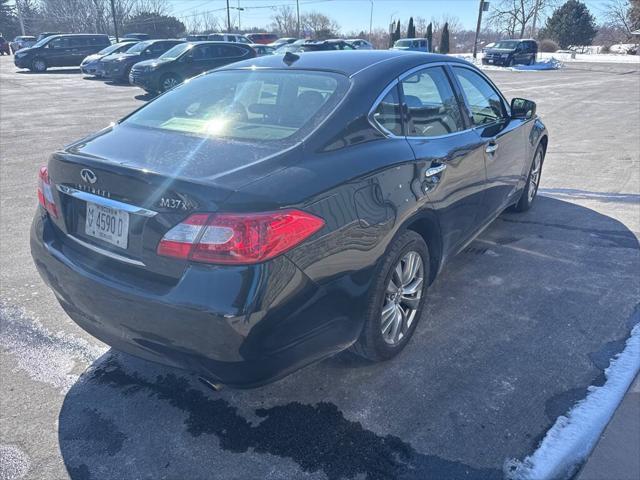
(395, 82)
(106, 202)
(107, 253)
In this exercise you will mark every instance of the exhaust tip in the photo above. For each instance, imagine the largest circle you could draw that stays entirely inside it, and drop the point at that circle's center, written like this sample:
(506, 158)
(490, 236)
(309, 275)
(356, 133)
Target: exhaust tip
(214, 386)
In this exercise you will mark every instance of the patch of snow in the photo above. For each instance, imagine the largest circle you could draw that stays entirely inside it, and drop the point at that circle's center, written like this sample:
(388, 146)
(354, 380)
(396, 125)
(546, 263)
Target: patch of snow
(45, 356)
(571, 439)
(558, 58)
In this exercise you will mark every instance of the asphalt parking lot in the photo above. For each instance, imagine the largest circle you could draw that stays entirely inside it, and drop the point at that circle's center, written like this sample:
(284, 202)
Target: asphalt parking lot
(518, 325)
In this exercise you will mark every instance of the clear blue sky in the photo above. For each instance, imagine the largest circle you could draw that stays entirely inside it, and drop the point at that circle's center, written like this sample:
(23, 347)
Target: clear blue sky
(350, 14)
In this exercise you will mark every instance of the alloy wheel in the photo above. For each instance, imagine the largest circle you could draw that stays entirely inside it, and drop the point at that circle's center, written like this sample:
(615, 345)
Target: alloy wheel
(169, 82)
(534, 176)
(402, 298)
(39, 65)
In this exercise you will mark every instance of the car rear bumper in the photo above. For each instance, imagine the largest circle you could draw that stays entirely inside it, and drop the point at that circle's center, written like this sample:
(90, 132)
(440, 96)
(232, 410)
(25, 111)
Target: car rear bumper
(242, 326)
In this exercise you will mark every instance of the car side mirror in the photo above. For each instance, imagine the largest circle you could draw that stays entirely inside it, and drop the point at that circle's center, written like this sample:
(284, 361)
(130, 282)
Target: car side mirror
(522, 108)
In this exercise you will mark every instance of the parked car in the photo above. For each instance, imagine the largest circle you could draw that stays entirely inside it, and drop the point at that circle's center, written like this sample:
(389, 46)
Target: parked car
(412, 44)
(5, 48)
(511, 52)
(184, 61)
(196, 38)
(261, 49)
(262, 38)
(67, 50)
(360, 44)
(137, 36)
(117, 67)
(290, 47)
(283, 41)
(44, 35)
(228, 37)
(91, 64)
(326, 45)
(22, 41)
(276, 211)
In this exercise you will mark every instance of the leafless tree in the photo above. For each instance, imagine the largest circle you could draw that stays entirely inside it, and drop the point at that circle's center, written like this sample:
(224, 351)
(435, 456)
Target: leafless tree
(285, 21)
(202, 22)
(319, 25)
(619, 16)
(512, 17)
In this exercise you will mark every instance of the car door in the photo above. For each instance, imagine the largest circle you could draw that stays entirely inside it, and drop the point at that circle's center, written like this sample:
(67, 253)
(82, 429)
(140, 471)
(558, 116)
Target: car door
(449, 162)
(58, 52)
(502, 139)
(79, 49)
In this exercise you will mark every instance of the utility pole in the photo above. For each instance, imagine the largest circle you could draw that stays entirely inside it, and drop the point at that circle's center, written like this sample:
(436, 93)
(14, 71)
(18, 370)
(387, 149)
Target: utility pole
(115, 22)
(239, 10)
(298, 13)
(535, 18)
(478, 25)
(19, 12)
(371, 21)
(228, 17)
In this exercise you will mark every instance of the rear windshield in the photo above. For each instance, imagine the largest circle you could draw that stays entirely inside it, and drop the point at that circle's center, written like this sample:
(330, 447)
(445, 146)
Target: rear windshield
(255, 105)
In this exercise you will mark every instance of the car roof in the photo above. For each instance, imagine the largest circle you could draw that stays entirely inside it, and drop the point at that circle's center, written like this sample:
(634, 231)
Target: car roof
(349, 62)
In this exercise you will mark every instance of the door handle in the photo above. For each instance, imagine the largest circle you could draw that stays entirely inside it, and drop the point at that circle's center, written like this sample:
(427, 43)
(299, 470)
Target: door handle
(435, 170)
(491, 148)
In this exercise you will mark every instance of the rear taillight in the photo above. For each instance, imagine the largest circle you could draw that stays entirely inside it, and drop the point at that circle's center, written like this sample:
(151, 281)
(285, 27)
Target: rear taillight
(45, 193)
(238, 238)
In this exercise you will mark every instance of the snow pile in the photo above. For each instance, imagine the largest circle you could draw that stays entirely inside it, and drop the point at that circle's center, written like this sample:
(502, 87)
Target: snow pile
(572, 437)
(547, 64)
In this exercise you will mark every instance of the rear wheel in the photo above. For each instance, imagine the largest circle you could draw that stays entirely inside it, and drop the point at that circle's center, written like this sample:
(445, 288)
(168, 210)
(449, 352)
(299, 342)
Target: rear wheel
(397, 299)
(533, 180)
(38, 65)
(168, 81)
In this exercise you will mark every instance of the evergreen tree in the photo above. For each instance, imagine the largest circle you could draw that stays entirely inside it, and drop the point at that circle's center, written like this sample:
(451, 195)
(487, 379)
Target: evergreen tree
(444, 39)
(397, 35)
(411, 29)
(429, 36)
(571, 24)
(9, 26)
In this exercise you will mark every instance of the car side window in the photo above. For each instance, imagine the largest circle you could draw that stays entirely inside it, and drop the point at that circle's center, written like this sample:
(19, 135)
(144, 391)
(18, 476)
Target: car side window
(79, 42)
(62, 42)
(432, 106)
(484, 102)
(388, 113)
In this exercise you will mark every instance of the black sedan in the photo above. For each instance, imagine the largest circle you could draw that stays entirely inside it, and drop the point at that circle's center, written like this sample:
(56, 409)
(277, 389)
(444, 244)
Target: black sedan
(184, 61)
(276, 211)
(116, 67)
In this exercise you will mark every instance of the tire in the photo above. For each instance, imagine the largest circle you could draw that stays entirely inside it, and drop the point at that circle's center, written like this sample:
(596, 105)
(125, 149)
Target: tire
(380, 338)
(533, 181)
(511, 62)
(39, 65)
(169, 81)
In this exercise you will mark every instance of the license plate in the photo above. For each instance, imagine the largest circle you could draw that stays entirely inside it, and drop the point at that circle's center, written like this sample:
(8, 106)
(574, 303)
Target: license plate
(490, 61)
(107, 224)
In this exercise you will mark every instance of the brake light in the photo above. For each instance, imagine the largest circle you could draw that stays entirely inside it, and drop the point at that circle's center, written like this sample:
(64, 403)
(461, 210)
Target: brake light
(45, 193)
(238, 238)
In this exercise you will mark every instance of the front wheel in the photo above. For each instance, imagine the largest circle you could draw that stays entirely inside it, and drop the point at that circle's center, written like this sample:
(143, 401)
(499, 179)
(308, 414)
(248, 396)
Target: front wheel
(397, 299)
(533, 180)
(39, 65)
(168, 81)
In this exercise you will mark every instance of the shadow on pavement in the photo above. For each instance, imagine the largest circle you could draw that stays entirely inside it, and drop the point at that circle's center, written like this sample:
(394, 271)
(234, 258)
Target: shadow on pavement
(50, 71)
(518, 326)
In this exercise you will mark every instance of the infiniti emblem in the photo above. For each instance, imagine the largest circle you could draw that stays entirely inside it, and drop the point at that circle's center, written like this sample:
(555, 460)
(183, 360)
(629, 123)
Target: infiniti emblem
(88, 176)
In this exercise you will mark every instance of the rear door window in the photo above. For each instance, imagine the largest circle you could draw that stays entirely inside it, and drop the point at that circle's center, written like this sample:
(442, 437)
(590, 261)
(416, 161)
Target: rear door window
(433, 107)
(61, 42)
(388, 113)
